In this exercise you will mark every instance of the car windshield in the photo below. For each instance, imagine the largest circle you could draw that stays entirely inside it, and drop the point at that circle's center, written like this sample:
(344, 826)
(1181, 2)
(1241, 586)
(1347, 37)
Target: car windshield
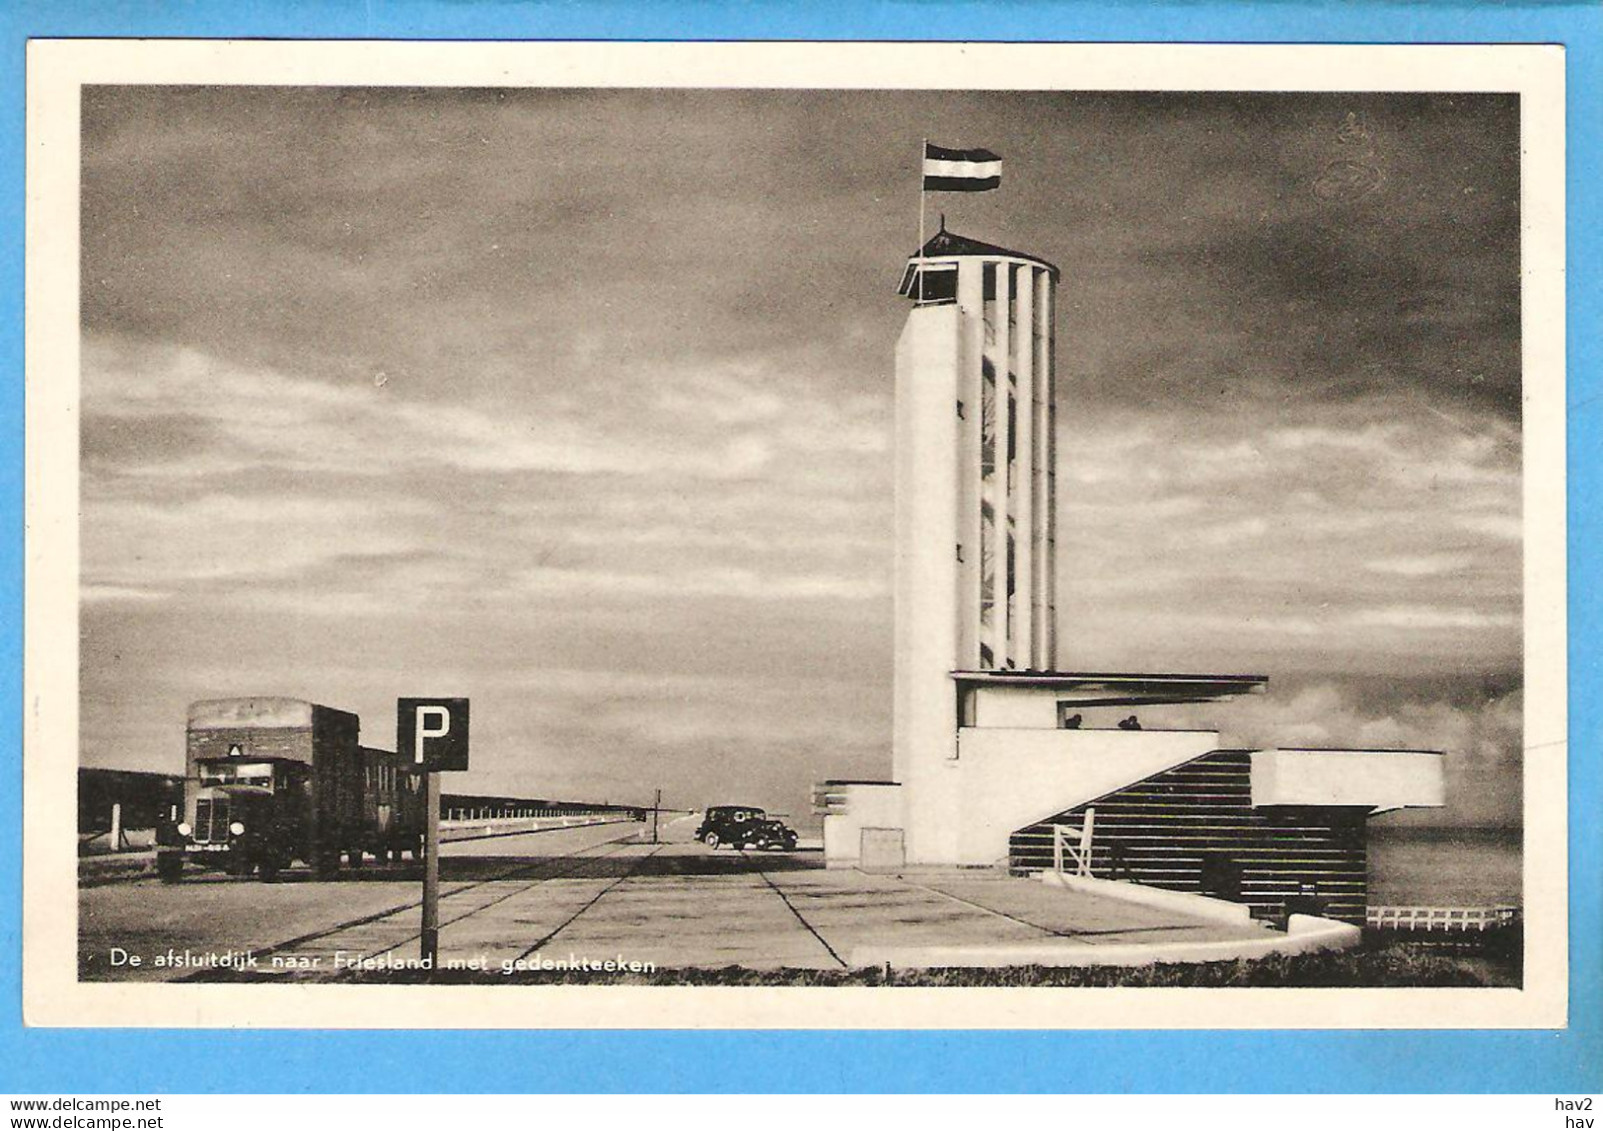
(733, 813)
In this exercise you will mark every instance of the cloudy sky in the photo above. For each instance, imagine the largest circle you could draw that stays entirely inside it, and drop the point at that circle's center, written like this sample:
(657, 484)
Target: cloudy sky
(579, 403)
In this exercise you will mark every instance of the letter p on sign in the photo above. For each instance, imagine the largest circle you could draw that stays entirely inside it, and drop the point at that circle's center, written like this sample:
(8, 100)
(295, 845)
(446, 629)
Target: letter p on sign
(433, 733)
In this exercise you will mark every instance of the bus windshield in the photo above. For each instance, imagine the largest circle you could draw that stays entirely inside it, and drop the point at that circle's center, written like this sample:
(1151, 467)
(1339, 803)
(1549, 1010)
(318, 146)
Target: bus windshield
(237, 773)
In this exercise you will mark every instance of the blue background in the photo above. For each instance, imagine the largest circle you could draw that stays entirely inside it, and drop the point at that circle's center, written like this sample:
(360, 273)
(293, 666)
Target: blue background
(43, 1061)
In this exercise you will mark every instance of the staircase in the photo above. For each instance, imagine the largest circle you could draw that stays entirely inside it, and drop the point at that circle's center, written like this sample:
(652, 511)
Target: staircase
(1193, 828)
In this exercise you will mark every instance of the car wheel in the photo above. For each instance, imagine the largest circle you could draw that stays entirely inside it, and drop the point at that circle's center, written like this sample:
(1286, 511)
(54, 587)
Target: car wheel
(170, 867)
(711, 840)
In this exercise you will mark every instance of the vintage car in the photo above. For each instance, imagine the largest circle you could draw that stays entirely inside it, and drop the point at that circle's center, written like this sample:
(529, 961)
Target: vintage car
(765, 833)
(744, 826)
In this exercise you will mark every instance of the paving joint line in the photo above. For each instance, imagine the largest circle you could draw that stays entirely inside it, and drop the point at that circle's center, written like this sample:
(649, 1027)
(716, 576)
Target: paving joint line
(1068, 934)
(367, 920)
(991, 910)
(800, 918)
(534, 883)
(595, 899)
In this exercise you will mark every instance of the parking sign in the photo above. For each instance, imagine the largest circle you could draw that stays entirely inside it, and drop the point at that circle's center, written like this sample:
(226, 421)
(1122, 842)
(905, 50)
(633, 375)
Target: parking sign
(432, 734)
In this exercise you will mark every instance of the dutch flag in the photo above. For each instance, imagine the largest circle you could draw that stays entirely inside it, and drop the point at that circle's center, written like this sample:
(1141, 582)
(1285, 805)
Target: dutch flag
(960, 170)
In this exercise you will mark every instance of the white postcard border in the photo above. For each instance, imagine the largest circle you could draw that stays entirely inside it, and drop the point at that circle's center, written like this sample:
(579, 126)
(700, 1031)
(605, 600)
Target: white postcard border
(57, 69)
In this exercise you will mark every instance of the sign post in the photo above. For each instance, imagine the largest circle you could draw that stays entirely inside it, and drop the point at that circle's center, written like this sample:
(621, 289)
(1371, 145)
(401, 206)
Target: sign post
(435, 733)
(429, 945)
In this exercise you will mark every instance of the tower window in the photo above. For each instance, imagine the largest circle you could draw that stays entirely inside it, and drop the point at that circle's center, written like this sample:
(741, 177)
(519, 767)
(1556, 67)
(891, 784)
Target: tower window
(934, 285)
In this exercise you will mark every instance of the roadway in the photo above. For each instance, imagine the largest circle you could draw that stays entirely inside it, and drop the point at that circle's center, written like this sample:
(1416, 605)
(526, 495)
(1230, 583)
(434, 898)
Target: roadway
(600, 893)
(212, 914)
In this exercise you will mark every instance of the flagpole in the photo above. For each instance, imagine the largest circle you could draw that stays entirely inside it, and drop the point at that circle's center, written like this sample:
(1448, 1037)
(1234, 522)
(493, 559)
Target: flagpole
(923, 150)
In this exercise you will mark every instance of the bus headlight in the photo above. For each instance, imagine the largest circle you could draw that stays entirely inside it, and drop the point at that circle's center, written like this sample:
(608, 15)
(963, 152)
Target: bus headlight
(184, 829)
(237, 828)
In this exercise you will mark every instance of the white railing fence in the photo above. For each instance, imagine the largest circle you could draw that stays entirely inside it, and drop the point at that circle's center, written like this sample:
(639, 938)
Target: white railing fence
(1458, 920)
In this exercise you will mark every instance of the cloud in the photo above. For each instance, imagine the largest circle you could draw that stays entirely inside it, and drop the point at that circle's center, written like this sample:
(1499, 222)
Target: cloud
(1422, 565)
(367, 395)
(1480, 733)
(316, 495)
(1503, 527)
(1330, 714)
(1429, 617)
(218, 538)
(1323, 537)
(255, 417)
(96, 594)
(733, 583)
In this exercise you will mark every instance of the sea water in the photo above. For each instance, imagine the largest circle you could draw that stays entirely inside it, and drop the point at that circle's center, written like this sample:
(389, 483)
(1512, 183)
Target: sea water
(1444, 867)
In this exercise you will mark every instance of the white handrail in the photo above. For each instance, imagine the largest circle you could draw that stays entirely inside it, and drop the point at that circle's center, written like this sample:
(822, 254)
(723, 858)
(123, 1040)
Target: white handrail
(1078, 850)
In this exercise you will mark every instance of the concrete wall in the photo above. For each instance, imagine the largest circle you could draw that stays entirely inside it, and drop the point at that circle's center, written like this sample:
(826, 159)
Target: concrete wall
(941, 360)
(927, 634)
(866, 805)
(1379, 779)
(1008, 778)
(1043, 472)
(1035, 707)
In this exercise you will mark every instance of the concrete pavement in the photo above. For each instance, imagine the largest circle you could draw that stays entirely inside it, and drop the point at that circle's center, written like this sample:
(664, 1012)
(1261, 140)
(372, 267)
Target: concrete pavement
(598, 895)
(686, 906)
(213, 913)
